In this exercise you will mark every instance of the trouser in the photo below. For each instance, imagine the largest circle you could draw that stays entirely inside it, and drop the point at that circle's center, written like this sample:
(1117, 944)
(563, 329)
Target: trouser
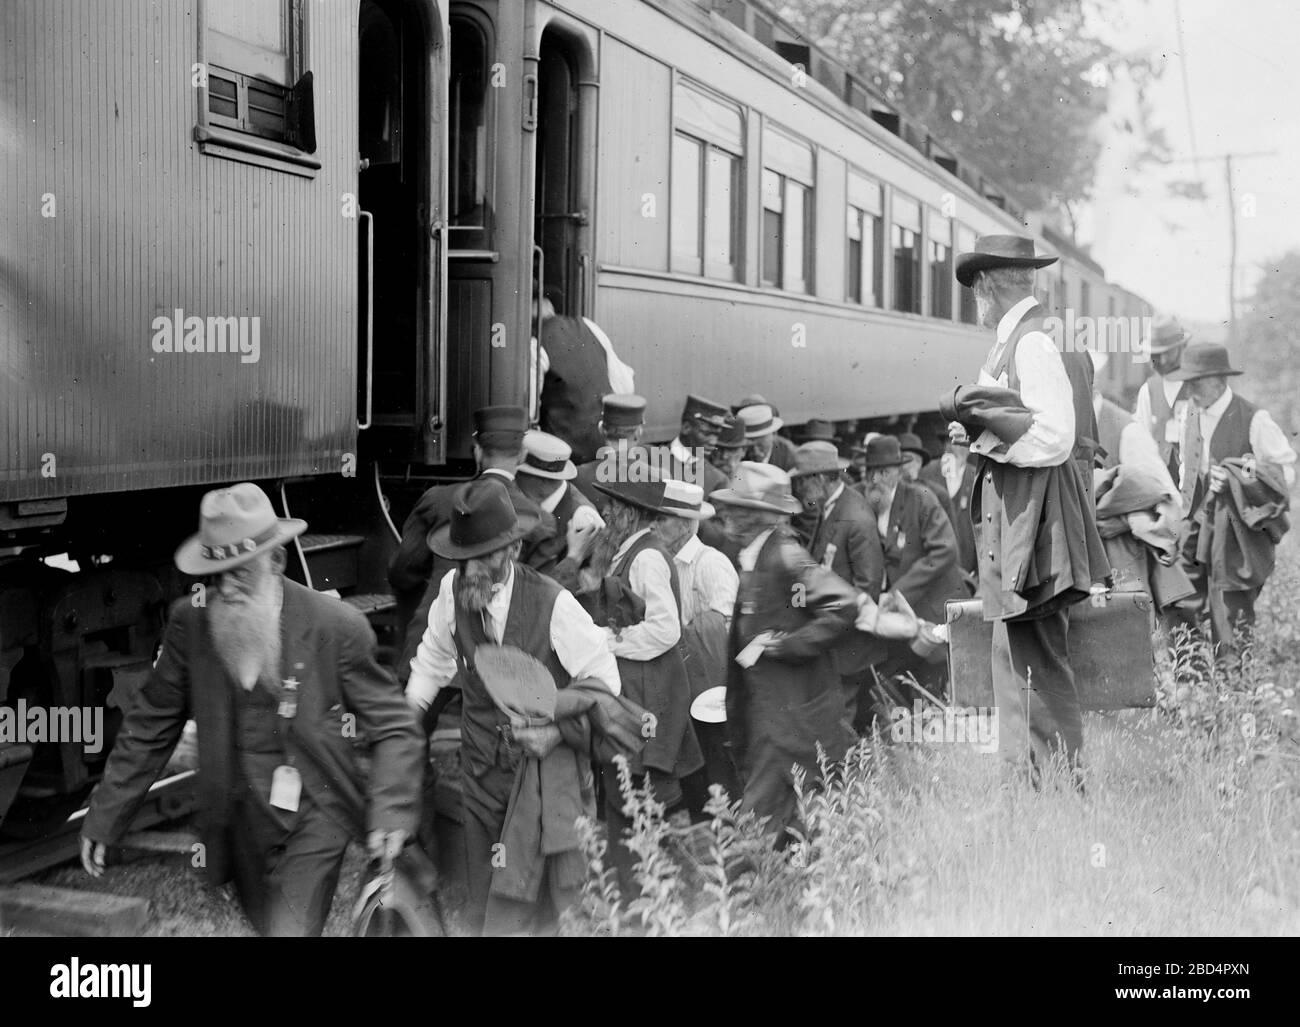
(1033, 689)
(719, 768)
(484, 802)
(665, 788)
(1231, 612)
(286, 880)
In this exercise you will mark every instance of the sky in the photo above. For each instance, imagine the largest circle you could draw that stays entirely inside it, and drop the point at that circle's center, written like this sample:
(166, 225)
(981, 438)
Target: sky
(1242, 59)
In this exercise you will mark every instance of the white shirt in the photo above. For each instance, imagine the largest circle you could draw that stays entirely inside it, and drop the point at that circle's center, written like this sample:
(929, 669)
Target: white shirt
(651, 579)
(1138, 449)
(553, 500)
(1267, 441)
(499, 471)
(680, 452)
(829, 505)
(707, 580)
(576, 640)
(748, 557)
(1044, 389)
(1142, 411)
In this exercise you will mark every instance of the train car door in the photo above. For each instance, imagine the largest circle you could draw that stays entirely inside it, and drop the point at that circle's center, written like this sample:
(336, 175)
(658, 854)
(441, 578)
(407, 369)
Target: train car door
(401, 125)
(564, 166)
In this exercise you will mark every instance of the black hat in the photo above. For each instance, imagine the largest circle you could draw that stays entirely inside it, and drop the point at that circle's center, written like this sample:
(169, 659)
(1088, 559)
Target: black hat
(501, 426)
(819, 430)
(483, 520)
(732, 435)
(622, 411)
(1203, 360)
(910, 443)
(883, 451)
(993, 251)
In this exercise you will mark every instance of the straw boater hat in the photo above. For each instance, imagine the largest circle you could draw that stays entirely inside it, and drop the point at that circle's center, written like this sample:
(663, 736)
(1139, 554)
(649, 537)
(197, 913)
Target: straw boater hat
(662, 496)
(546, 456)
(993, 251)
(483, 520)
(1203, 360)
(235, 525)
(759, 487)
(759, 420)
(1166, 334)
(817, 458)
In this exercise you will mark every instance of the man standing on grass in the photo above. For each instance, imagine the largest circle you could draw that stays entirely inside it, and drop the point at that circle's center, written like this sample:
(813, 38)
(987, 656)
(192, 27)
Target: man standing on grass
(1033, 426)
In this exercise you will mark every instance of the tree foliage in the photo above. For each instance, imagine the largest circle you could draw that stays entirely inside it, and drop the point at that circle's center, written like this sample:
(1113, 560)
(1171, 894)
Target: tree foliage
(1270, 331)
(1019, 87)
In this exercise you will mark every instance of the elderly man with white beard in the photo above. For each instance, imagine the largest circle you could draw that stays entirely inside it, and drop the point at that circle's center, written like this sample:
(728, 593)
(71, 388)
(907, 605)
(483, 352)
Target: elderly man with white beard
(281, 682)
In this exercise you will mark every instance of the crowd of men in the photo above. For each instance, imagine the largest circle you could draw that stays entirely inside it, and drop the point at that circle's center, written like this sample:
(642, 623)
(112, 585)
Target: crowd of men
(713, 608)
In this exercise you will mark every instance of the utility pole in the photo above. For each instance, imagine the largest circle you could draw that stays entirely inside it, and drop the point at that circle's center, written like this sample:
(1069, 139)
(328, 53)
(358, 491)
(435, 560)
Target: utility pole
(1227, 159)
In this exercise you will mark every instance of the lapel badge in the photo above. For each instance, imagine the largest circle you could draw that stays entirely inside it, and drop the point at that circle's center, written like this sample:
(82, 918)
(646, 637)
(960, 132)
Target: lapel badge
(902, 540)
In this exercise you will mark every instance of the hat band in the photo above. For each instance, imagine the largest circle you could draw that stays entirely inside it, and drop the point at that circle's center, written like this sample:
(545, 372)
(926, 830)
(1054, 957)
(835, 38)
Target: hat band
(679, 504)
(756, 428)
(247, 545)
(553, 466)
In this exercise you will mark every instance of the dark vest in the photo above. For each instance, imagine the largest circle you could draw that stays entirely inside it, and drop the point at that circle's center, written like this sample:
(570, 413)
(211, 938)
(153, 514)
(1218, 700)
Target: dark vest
(1162, 413)
(1111, 423)
(1231, 438)
(575, 384)
(1079, 370)
(662, 685)
(259, 745)
(528, 627)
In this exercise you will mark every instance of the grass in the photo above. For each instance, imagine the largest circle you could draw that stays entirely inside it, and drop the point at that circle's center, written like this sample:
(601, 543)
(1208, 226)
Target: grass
(1191, 826)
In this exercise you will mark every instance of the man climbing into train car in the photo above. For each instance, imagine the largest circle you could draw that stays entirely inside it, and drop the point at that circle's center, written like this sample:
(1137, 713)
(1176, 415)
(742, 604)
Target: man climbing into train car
(1236, 470)
(1033, 427)
(524, 862)
(281, 680)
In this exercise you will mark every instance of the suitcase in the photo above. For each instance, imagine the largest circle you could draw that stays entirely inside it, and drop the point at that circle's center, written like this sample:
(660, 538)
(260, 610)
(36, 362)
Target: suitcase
(1110, 650)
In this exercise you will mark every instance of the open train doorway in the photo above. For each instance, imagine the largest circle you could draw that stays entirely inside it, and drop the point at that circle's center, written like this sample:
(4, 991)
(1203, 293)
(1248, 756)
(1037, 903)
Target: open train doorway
(397, 195)
(562, 208)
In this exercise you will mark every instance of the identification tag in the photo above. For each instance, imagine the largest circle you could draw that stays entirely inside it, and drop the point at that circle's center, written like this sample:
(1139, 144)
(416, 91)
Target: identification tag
(286, 788)
(828, 557)
(1171, 430)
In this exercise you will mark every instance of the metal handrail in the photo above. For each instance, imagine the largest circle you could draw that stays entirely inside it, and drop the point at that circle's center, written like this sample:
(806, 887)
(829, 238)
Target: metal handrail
(370, 318)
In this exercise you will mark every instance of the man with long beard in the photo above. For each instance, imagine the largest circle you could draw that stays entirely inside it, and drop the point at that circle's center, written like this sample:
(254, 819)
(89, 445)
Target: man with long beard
(1038, 544)
(491, 599)
(281, 681)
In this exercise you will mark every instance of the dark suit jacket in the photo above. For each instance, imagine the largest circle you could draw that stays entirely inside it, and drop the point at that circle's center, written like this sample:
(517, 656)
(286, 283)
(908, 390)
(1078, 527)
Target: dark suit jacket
(858, 559)
(330, 650)
(782, 453)
(921, 552)
(549, 555)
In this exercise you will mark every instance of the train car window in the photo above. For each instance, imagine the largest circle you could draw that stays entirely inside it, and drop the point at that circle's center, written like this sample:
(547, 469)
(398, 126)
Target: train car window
(380, 113)
(967, 310)
(787, 211)
(907, 254)
(255, 76)
(864, 264)
(708, 146)
(941, 280)
(773, 206)
(469, 223)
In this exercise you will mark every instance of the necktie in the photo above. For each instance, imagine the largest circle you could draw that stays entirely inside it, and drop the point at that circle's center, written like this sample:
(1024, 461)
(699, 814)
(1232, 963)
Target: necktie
(1191, 456)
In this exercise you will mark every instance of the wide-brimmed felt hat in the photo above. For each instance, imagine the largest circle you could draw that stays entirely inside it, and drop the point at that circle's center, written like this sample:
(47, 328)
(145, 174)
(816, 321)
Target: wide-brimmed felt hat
(622, 411)
(866, 441)
(517, 682)
(661, 495)
(817, 457)
(732, 435)
(884, 451)
(500, 426)
(759, 487)
(1166, 334)
(1202, 360)
(909, 442)
(236, 524)
(483, 520)
(546, 456)
(698, 408)
(819, 430)
(992, 251)
(759, 420)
